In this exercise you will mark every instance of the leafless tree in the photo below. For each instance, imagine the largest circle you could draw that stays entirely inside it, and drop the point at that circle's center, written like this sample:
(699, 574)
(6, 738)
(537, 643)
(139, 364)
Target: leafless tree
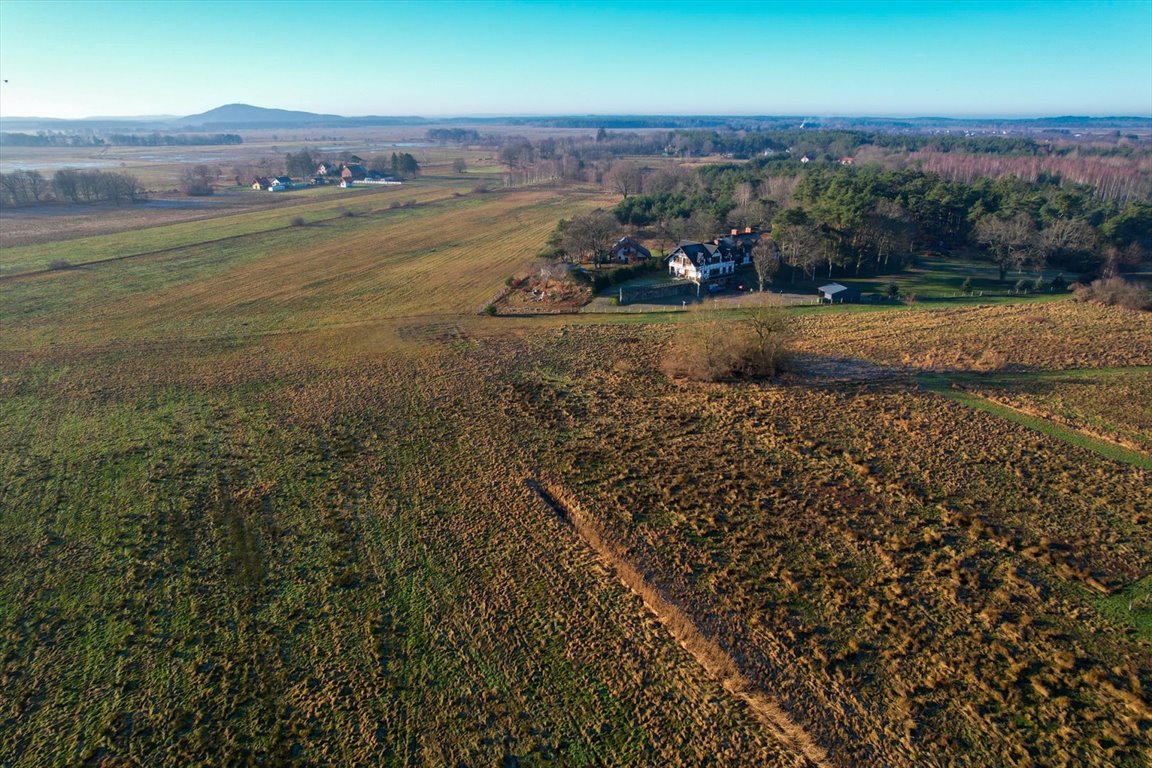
(1068, 237)
(590, 235)
(1011, 240)
(671, 179)
(626, 178)
(766, 260)
(800, 246)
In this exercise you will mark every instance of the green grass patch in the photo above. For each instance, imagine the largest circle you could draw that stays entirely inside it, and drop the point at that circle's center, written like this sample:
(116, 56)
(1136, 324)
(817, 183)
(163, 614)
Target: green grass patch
(1131, 605)
(943, 385)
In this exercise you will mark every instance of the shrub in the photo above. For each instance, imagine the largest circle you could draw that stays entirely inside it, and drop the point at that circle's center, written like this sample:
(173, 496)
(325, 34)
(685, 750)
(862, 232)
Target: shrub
(297, 221)
(60, 264)
(490, 309)
(480, 189)
(715, 348)
(966, 286)
(347, 214)
(1115, 291)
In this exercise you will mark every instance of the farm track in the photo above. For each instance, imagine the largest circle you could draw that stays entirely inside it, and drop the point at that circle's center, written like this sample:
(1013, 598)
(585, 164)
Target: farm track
(707, 653)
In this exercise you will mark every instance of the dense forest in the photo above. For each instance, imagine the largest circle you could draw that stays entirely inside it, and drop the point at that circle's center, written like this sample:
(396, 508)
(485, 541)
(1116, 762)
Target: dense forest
(1118, 167)
(853, 220)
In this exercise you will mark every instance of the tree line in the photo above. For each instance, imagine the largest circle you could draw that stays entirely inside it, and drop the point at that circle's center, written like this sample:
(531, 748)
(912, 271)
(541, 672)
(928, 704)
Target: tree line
(20, 188)
(852, 220)
(45, 139)
(1119, 172)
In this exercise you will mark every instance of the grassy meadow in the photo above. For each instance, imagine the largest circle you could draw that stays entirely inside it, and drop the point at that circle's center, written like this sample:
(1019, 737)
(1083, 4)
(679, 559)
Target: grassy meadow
(268, 496)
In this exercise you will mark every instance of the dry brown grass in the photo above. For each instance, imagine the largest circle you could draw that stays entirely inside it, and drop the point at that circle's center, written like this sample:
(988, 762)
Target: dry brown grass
(1053, 335)
(263, 504)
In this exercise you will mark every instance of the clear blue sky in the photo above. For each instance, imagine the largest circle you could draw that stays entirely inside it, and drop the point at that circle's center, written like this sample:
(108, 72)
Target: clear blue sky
(960, 58)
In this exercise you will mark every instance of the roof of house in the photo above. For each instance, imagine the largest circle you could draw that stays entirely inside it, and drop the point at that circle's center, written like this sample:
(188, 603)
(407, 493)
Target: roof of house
(701, 253)
(627, 242)
(355, 169)
(283, 180)
(741, 240)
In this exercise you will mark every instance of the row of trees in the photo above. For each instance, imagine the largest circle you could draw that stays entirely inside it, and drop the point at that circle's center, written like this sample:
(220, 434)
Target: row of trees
(69, 185)
(46, 139)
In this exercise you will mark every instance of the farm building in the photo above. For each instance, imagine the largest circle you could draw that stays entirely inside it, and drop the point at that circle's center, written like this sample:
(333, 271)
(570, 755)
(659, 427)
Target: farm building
(354, 171)
(627, 250)
(261, 183)
(834, 293)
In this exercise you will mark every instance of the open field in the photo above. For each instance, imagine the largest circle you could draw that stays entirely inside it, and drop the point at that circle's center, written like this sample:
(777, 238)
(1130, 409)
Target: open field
(1097, 402)
(280, 495)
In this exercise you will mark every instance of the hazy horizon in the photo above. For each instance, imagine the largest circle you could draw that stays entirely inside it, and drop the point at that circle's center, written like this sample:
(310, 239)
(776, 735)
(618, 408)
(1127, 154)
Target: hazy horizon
(545, 115)
(974, 60)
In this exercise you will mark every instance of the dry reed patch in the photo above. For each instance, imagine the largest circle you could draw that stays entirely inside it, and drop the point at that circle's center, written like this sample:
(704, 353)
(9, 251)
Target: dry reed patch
(1054, 335)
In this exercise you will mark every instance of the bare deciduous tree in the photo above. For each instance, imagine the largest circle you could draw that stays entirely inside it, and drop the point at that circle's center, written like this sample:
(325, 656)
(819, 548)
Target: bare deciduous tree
(766, 260)
(590, 235)
(626, 178)
(1011, 240)
(1068, 237)
(800, 246)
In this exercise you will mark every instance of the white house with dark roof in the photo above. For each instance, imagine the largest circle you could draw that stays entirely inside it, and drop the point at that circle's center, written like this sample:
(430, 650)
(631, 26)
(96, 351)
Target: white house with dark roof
(700, 262)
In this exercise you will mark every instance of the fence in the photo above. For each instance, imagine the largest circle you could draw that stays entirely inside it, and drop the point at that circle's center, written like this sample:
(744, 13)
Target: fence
(629, 295)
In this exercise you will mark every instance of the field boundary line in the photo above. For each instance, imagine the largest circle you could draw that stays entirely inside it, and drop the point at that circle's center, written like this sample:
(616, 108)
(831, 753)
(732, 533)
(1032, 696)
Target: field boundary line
(708, 654)
(949, 388)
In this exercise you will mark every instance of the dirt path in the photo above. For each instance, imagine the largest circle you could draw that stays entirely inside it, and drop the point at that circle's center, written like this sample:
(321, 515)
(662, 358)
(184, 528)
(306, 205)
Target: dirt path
(707, 653)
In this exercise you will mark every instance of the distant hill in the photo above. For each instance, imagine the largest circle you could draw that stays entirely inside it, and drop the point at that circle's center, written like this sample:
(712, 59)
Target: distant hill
(236, 115)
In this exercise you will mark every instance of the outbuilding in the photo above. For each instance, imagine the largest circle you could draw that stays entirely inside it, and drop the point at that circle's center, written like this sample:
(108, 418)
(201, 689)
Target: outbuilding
(834, 293)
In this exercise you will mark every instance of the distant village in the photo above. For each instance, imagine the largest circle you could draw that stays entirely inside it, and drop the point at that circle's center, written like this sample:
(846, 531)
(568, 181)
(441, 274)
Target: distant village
(345, 175)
